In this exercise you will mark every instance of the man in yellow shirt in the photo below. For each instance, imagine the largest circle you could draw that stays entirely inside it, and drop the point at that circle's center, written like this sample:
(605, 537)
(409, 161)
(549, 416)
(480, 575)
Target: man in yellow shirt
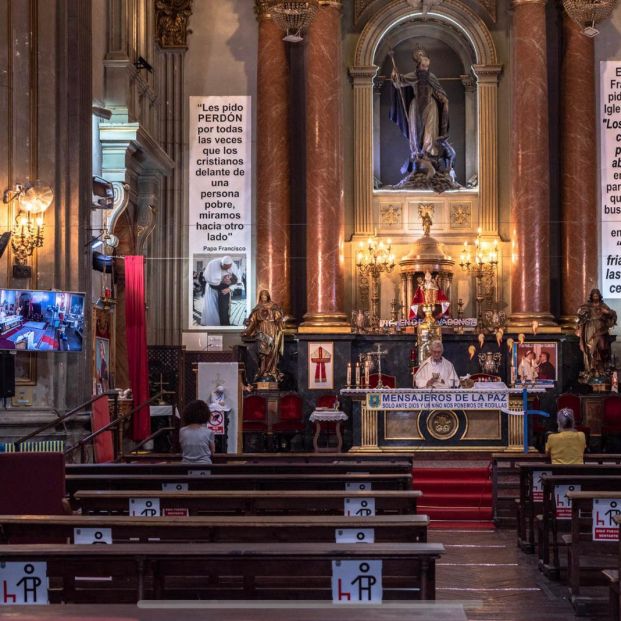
(568, 445)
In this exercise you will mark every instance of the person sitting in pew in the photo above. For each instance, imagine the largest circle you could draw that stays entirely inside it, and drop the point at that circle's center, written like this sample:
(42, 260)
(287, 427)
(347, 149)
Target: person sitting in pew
(568, 445)
(196, 439)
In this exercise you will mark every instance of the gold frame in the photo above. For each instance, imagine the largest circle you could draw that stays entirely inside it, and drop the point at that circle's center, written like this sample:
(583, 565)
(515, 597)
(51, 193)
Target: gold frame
(31, 365)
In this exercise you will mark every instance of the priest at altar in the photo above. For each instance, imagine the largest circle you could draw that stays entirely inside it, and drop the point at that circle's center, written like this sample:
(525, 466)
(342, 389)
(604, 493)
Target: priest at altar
(436, 371)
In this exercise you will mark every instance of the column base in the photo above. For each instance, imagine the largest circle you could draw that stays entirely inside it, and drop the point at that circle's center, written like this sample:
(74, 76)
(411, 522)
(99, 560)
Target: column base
(568, 323)
(325, 323)
(523, 322)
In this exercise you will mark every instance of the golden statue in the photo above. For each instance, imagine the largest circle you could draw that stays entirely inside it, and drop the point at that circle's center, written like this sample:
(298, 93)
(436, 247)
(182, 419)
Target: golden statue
(266, 325)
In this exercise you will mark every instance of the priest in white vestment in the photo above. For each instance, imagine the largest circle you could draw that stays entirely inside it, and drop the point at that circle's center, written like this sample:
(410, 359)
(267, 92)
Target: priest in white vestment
(436, 371)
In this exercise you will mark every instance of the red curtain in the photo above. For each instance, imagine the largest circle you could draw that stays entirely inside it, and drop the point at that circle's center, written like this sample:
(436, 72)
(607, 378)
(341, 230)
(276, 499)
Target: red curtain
(136, 331)
(103, 444)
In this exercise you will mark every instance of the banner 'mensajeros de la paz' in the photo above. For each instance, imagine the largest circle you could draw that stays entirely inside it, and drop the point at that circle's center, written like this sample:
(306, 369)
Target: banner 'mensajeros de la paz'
(220, 211)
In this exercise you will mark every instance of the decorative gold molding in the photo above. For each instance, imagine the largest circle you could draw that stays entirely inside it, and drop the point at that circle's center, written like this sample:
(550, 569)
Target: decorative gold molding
(517, 3)
(391, 215)
(460, 215)
(261, 9)
(171, 23)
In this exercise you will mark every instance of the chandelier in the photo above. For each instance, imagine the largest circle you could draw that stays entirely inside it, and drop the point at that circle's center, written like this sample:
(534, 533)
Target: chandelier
(373, 260)
(32, 200)
(586, 13)
(293, 16)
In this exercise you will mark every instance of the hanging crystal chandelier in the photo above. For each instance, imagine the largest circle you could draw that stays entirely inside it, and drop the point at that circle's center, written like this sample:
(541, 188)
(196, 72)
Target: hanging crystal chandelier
(293, 16)
(586, 13)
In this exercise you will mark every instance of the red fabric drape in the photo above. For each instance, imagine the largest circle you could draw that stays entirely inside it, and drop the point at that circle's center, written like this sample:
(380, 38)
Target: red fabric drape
(136, 331)
(103, 444)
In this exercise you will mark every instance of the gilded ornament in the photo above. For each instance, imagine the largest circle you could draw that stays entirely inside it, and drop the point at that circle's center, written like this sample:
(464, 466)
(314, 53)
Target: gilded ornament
(171, 19)
(460, 214)
(390, 215)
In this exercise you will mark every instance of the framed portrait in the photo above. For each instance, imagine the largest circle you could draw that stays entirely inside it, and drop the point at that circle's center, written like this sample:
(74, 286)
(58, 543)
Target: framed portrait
(102, 365)
(321, 366)
(25, 369)
(535, 363)
(103, 351)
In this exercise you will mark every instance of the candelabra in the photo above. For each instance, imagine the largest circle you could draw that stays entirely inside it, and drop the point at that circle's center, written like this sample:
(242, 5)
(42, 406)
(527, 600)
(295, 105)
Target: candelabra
(484, 267)
(371, 262)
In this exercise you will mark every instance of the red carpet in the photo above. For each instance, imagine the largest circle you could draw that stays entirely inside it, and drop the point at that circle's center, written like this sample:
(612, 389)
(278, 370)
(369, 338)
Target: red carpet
(455, 497)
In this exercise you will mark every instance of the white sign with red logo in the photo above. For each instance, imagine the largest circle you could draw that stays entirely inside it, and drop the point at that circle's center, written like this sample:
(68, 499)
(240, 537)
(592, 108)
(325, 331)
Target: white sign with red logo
(563, 504)
(23, 583)
(604, 527)
(355, 535)
(538, 484)
(357, 582)
(216, 423)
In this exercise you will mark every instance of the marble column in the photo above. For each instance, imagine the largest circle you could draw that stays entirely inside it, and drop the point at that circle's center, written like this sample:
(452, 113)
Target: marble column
(273, 185)
(530, 183)
(324, 174)
(579, 171)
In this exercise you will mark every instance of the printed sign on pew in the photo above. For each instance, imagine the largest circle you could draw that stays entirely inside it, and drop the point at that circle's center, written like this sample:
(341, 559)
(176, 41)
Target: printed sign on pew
(429, 400)
(538, 484)
(357, 582)
(23, 583)
(604, 512)
(563, 504)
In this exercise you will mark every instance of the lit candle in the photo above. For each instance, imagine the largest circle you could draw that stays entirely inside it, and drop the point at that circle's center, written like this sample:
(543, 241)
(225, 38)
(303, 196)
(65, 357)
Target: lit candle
(367, 373)
(348, 374)
(357, 375)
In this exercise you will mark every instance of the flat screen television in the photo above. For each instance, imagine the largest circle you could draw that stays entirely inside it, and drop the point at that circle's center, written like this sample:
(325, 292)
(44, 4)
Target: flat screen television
(41, 320)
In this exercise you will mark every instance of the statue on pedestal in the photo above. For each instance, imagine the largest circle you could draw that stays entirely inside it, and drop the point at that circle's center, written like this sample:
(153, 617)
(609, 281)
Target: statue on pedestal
(266, 325)
(420, 108)
(595, 318)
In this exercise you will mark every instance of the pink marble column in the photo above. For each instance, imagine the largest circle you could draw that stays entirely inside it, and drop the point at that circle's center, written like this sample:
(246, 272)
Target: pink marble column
(273, 206)
(579, 171)
(530, 183)
(324, 172)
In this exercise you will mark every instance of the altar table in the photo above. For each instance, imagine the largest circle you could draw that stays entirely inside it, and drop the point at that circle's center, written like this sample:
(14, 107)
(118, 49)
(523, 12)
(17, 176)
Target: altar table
(486, 417)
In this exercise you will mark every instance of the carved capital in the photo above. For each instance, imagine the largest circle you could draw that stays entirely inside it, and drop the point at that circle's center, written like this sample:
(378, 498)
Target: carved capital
(171, 23)
(262, 9)
(487, 73)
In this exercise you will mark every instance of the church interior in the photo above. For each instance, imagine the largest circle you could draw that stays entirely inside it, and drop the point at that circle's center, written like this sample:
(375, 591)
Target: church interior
(279, 278)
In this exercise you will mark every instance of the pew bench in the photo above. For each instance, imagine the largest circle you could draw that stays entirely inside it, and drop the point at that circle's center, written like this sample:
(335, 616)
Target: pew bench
(612, 576)
(531, 493)
(550, 526)
(219, 482)
(587, 558)
(246, 529)
(141, 571)
(241, 467)
(253, 502)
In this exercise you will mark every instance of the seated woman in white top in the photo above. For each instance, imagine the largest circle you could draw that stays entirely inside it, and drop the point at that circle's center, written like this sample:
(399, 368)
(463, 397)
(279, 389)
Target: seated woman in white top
(196, 439)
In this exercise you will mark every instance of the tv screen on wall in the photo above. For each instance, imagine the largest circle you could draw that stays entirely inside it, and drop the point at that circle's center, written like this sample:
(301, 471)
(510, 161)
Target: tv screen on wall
(41, 320)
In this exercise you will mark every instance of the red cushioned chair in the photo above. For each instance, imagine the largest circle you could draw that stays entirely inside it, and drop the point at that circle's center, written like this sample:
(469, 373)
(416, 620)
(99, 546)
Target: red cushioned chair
(290, 419)
(254, 422)
(389, 381)
(611, 425)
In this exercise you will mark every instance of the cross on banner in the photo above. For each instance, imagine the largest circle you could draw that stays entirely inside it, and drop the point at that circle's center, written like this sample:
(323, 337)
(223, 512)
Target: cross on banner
(320, 358)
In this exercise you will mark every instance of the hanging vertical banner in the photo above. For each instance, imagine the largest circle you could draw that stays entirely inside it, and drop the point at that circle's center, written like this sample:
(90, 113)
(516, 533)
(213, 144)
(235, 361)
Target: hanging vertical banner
(220, 212)
(610, 138)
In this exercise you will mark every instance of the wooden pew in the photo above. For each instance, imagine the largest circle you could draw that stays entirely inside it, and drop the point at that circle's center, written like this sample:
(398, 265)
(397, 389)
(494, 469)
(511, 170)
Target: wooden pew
(550, 528)
(239, 467)
(224, 570)
(585, 557)
(506, 480)
(528, 506)
(331, 502)
(247, 529)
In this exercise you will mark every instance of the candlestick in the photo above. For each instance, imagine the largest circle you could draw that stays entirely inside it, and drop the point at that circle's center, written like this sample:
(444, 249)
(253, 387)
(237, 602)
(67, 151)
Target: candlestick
(348, 374)
(357, 375)
(367, 373)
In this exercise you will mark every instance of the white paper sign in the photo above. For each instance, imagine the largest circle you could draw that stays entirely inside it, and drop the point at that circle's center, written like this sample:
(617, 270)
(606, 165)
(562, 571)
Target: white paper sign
(357, 582)
(604, 527)
(199, 473)
(220, 211)
(358, 486)
(175, 487)
(23, 583)
(92, 535)
(563, 504)
(355, 535)
(410, 399)
(538, 484)
(359, 507)
(144, 507)
(610, 164)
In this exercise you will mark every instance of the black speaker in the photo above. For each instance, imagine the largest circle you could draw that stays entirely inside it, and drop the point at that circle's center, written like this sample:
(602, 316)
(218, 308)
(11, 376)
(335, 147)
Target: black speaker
(7, 374)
